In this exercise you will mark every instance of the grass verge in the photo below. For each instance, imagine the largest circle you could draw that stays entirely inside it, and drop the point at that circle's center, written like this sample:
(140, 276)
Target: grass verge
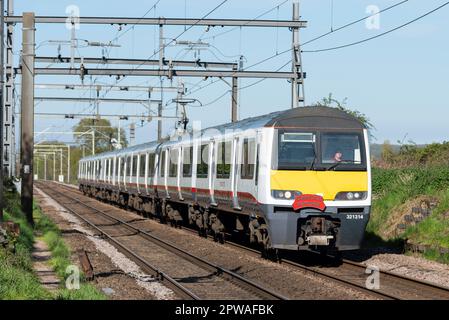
(17, 279)
(393, 187)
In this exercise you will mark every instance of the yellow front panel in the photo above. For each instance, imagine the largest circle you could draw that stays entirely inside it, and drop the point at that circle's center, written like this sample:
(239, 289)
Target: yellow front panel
(326, 183)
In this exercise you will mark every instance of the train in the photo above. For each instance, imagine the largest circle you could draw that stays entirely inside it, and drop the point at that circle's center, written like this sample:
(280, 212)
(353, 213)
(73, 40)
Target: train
(298, 179)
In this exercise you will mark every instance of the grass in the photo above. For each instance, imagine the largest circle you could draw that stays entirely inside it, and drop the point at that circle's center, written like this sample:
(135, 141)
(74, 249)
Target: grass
(17, 280)
(393, 187)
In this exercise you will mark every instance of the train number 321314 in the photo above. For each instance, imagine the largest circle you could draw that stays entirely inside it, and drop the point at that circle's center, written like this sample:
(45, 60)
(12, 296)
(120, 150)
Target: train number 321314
(354, 217)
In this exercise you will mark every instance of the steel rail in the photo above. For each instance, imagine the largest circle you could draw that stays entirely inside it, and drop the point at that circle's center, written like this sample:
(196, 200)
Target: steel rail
(219, 271)
(439, 290)
(160, 275)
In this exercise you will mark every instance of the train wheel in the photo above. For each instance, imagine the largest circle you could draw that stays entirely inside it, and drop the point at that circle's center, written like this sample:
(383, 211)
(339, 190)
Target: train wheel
(221, 237)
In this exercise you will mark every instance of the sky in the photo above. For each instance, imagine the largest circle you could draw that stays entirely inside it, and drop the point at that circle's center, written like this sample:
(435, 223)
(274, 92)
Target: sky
(400, 80)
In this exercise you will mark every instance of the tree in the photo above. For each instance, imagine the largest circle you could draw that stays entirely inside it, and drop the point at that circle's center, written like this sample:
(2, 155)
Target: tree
(387, 153)
(104, 133)
(331, 102)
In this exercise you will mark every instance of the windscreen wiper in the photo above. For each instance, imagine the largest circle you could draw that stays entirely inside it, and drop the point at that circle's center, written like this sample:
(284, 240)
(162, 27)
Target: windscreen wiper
(312, 166)
(338, 163)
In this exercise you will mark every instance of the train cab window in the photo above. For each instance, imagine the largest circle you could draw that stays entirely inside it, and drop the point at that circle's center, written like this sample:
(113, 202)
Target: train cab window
(142, 166)
(296, 150)
(162, 164)
(128, 166)
(134, 168)
(173, 168)
(202, 167)
(151, 160)
(187, 162)
(224, 160)
(344, 148)
(248, 158)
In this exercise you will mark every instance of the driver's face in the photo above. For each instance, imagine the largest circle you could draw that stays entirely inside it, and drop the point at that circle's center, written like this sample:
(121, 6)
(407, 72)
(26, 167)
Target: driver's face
(338, 156)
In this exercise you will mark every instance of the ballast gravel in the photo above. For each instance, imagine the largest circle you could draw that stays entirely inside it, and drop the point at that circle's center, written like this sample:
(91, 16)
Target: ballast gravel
(120, 261)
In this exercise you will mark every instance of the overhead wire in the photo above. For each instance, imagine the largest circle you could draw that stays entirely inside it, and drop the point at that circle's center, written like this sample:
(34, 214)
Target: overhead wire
(381, 34)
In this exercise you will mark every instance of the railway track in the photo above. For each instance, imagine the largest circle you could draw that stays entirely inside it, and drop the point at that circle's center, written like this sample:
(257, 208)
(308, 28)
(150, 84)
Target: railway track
(349, 273)
(190, 276)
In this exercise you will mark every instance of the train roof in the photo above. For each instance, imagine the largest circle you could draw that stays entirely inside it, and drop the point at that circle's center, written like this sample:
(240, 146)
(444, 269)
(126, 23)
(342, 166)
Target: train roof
(316, 117)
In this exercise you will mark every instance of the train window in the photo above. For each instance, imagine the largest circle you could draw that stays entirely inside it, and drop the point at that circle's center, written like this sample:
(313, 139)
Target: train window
(98, 168)
(142, 166)
(341, 148)
(128, 166)
(106, 168)
(248, 158)
(296, 150)
(151, 160)
(122, 167)
(162, 164)
(134, 166)
(257, 164)
(224, 160)
(202, 167)
(187, 161)
(173, 168)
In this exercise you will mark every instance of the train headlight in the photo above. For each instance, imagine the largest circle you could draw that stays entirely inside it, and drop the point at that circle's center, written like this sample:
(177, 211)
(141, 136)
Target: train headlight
(351, 195)
(285, 194)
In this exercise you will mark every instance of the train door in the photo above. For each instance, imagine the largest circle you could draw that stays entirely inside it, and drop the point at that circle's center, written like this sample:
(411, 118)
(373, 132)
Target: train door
(212, 170)
(145, 171)
(234, 172)
(186, 172)
(246, 190)
(151, 176)
(163, 172)
(137, 171)
(222, 174)
(119, 172)
(114, 170)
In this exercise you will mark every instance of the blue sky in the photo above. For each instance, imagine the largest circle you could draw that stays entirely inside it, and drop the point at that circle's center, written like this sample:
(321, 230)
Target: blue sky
(400, 81)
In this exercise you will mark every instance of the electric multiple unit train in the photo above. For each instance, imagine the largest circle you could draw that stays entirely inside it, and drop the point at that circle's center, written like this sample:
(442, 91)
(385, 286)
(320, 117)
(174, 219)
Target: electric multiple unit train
(297, 179)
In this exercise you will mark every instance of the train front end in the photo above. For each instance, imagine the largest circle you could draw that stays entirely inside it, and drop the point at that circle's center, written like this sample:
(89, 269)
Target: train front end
(319, 194)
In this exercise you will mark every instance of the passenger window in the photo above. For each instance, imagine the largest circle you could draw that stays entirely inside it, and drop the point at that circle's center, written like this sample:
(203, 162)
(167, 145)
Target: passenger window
(128, 166)
(142, 166)
(122, 167)
(135, 166)
(248, 158)
(224, 160)
(202, 167)
(187, 160)
(151, 159)
(173, 168)
(162, 164)
(98, 168)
